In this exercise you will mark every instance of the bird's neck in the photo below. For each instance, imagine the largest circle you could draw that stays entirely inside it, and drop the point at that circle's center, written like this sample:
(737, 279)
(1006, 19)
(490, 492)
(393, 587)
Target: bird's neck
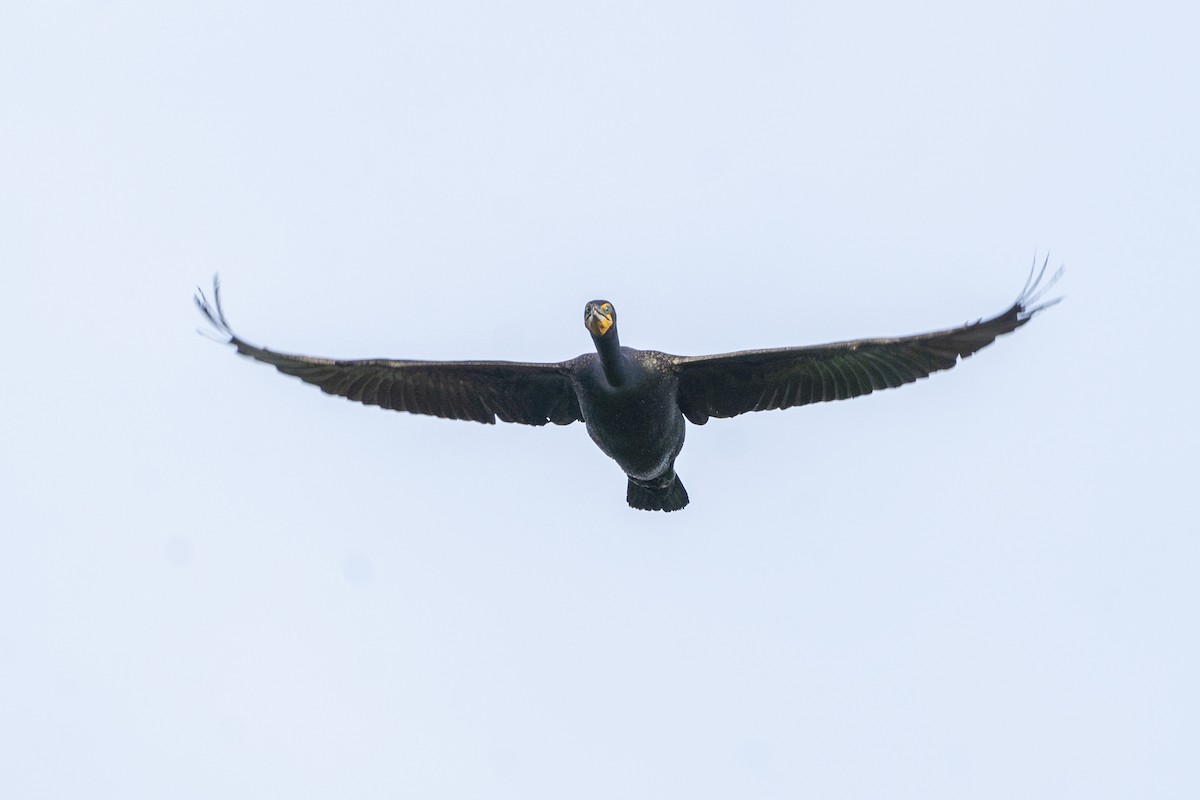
(615, 369)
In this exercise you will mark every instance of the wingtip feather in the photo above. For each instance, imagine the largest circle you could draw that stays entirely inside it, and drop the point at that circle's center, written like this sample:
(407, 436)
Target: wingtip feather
(213, 311)
(1029, 301)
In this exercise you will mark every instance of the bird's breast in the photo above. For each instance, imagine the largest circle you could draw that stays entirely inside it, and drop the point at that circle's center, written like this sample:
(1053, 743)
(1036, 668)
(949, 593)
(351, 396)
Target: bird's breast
(638, 423)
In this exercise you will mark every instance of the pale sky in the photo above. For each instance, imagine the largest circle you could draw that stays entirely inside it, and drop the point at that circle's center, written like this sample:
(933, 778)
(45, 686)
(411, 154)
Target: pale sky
(216, 582)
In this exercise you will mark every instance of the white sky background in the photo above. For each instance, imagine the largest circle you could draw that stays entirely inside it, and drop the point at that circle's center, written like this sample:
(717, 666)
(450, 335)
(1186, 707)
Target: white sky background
(216, 582)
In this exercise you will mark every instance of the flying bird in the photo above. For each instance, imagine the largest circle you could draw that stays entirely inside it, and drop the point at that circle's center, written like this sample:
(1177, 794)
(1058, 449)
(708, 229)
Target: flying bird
(634, 402)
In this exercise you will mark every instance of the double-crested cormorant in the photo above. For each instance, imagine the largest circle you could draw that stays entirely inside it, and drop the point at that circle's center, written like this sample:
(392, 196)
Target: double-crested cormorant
(633, 402)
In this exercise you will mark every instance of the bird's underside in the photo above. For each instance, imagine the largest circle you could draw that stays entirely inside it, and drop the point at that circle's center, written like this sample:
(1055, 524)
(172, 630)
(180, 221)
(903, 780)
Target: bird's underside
(698, 387)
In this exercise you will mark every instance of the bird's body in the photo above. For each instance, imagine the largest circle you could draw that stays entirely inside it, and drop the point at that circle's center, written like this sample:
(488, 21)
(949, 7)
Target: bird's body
(635, 421)
(634, 402)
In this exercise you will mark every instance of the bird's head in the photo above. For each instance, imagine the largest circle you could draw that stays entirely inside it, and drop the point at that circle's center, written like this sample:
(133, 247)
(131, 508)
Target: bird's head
(599, 317)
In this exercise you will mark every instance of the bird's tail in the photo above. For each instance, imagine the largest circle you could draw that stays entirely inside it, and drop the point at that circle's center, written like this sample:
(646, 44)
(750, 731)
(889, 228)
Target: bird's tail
(664, 494)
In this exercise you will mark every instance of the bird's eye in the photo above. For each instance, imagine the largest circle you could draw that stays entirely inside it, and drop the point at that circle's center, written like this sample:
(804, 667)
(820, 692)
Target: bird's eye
(606, 308)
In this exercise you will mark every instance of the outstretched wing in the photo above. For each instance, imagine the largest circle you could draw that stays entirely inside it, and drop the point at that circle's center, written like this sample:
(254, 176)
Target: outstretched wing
(483, 391)
(758, 380)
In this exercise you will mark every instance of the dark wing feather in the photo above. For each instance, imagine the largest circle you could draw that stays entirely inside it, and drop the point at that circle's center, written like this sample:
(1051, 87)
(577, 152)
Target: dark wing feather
(758, 380)
(483, 391)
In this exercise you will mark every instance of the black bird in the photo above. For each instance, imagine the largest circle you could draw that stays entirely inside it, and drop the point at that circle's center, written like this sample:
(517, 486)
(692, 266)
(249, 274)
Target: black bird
(633, 402)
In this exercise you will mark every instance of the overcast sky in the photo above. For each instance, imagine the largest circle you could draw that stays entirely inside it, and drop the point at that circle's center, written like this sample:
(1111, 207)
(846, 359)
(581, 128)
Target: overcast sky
(216, 582)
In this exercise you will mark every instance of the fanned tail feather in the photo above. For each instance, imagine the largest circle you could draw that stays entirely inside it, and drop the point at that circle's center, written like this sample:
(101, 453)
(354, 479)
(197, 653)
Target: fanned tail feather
(661, 495)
